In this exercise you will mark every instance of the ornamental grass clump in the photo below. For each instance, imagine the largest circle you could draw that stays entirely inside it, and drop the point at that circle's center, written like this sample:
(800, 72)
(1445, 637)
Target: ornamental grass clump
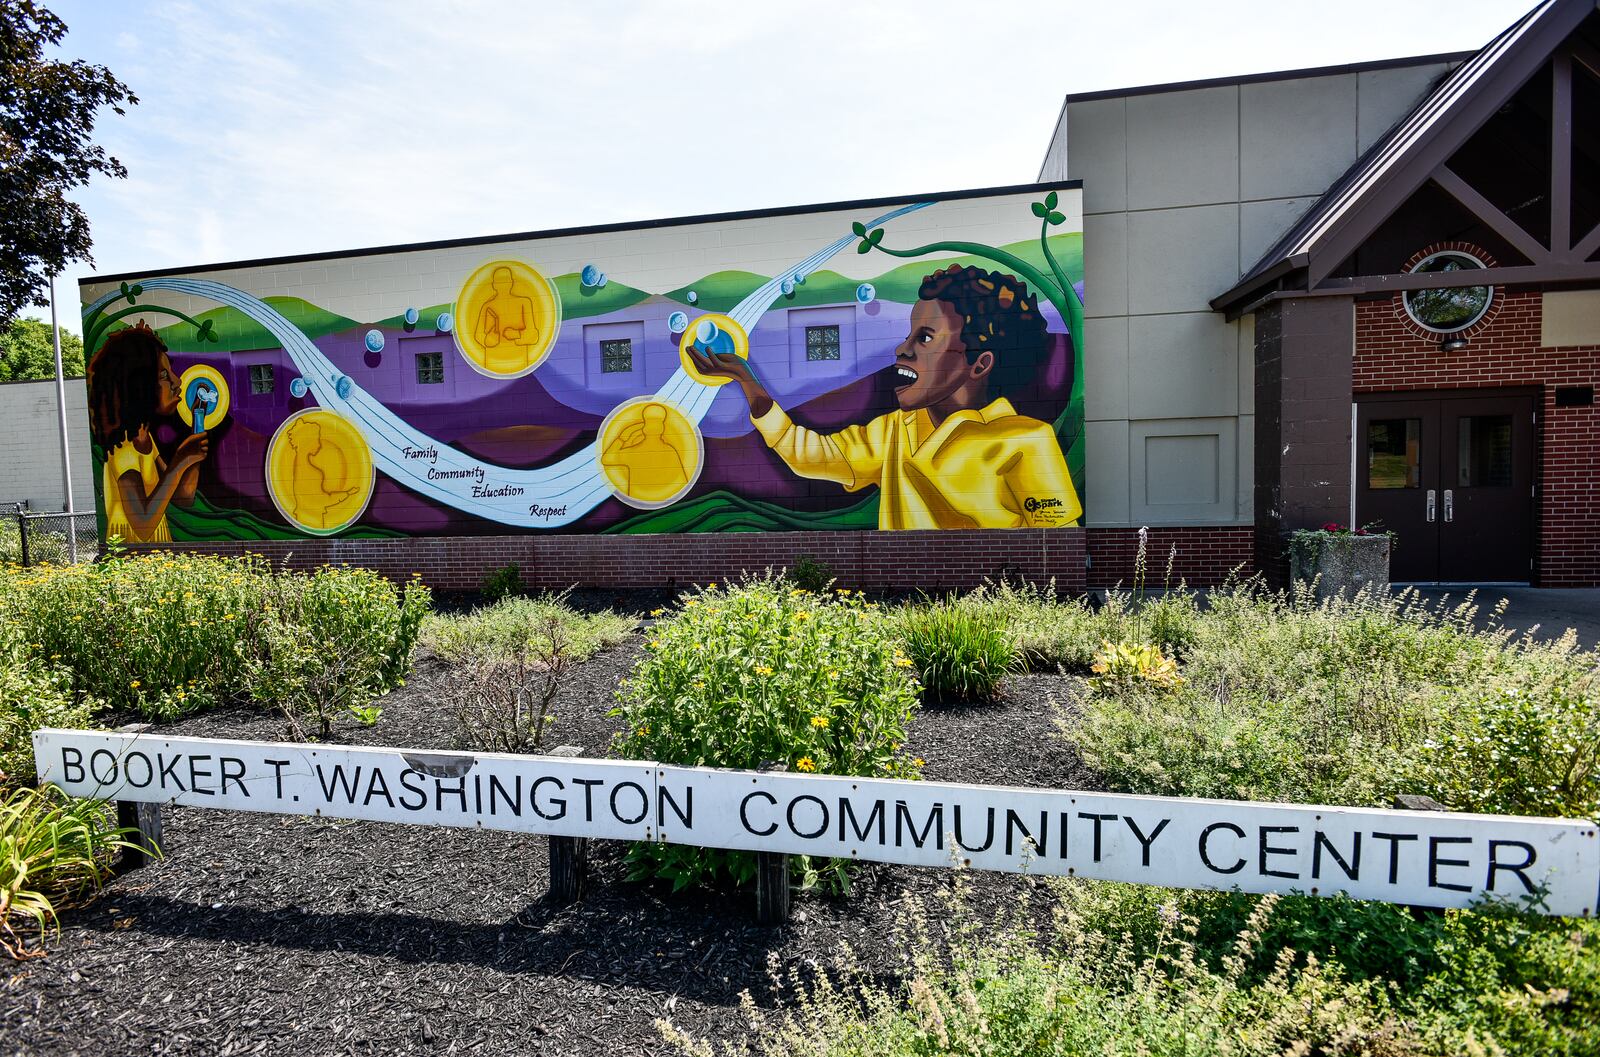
(503, 630)
(962, 654)
(54, 851)
(765, 673)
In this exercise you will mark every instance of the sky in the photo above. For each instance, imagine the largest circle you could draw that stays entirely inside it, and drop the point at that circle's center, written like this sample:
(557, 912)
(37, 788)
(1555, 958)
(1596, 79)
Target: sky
(299, 126)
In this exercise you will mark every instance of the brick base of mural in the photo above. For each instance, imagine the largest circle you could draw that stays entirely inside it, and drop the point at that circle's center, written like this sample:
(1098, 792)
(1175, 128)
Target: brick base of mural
(932, 561)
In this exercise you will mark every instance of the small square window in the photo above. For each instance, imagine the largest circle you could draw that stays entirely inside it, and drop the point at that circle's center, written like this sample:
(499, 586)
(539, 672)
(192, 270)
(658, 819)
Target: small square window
(430, 368)
(616, 356)
(822, 343)
(262, 380)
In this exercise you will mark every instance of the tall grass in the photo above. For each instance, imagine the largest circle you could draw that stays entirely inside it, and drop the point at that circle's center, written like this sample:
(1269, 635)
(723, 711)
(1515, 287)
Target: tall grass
(504, 629)
(961, 653)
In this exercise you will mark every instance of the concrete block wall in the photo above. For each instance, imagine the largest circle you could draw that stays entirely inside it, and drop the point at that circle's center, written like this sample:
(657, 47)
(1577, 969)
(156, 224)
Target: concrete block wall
(30, 445)
(1184, 188)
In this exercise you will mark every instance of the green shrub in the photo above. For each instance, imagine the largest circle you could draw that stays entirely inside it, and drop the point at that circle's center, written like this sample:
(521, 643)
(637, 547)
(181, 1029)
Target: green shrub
(504, 629)
(32, 695)
(1529, 983)
(503, 582)
(812, 574)
(1285, 698)
(1131, 970)
(760, 673)
(961, 653)
(326, 645)
(999, 989)
(166, 635)
(53, 851)
(1514, 751)
(1125, 667)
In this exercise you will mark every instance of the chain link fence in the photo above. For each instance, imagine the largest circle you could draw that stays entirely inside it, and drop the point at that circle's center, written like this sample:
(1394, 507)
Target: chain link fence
(32, 538)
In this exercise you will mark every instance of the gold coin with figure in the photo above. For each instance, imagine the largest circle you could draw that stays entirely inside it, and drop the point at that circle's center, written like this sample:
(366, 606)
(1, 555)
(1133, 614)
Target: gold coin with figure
(319, 471)
(506, 318)
(649, 451)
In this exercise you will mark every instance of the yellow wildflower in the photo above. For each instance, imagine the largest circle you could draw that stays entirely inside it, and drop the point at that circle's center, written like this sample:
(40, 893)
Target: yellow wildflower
(762, 669)
(657, 612)
(820, 722)
(133, 684)
(805, 763)
(919, 761)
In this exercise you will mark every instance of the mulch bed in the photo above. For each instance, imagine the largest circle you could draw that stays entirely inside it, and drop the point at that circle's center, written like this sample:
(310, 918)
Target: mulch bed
(279, 935)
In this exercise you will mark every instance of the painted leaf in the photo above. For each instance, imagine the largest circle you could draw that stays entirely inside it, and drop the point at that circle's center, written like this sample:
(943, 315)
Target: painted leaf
(1056, 218)
(1040, 210)
(1050, 200)
(864, 247)
(859, 228)
(876, 236)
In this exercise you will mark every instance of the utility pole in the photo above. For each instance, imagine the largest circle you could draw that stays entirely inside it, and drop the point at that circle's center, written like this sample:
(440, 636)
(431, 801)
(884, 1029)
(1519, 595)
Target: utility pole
(66, 448)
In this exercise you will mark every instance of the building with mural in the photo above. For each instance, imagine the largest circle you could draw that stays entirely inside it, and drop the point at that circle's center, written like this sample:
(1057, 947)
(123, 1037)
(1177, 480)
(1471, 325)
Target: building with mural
(1230, 309)
(862, 368)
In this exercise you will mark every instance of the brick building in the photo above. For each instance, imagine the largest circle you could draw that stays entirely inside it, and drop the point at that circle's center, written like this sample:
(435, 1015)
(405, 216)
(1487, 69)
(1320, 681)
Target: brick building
(1365, 294)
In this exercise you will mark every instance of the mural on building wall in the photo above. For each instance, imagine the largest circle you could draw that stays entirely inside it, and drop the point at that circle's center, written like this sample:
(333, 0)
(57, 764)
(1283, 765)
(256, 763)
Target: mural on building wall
(688, 378)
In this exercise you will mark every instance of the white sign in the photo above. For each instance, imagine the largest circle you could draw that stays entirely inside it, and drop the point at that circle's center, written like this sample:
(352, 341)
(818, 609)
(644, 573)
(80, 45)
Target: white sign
(1417, 858)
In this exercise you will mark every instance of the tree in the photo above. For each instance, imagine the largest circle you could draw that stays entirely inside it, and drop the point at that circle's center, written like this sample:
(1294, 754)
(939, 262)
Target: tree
(26, 353)
(47, 114)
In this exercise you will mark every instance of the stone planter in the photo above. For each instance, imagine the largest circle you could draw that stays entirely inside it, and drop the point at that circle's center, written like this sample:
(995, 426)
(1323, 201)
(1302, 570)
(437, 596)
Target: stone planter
(1341, 563)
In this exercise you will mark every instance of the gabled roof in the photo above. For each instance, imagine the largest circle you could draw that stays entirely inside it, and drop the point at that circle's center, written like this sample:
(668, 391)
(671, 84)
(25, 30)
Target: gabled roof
(1405, 157)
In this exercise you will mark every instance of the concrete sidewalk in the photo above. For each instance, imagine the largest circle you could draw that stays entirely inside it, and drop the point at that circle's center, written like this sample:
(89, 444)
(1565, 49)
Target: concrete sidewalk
(1552, 610)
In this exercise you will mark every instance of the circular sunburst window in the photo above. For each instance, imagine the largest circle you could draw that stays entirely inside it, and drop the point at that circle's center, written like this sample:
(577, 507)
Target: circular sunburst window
(1448, 309)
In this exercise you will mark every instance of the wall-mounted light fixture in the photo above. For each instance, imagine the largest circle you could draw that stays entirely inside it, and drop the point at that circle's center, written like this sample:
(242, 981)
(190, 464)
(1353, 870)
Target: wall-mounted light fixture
(1452, 344)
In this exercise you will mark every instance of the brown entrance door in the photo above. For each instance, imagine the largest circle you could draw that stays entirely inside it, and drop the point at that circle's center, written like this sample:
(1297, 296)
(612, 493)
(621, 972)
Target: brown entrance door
(1452, 477)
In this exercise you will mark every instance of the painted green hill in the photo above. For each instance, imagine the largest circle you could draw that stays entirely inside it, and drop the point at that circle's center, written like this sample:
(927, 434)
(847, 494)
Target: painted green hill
(237, 332)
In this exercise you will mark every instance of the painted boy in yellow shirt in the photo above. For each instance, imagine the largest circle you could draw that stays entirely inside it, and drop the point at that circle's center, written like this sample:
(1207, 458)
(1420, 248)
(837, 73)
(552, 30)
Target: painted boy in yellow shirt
(952, 456)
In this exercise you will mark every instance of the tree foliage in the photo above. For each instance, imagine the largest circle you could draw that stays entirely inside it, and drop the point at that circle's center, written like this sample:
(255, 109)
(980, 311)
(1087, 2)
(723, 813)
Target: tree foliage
(48, 108)
(26, 354)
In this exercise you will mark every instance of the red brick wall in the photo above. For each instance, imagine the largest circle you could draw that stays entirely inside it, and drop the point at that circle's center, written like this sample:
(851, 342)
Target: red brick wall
(1202, 556)
(932, 561)
(1393, 353)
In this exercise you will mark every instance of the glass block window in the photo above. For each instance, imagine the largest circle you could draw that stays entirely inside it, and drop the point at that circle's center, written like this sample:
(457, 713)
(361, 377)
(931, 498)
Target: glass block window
(430, 368)
(262, 381)
(616, 356)
(822, 343)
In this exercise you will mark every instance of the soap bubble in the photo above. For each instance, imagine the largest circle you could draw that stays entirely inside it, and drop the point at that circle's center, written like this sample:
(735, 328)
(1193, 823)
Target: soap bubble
(298, 388)
(787, 286)
(590, 276)
(705, 332)
(799, 278)
(693, 298)
(344, 386)
(678, 322)
(411, 317)
(866, 293)
(602, 281)
(444, 323)
(374, 341)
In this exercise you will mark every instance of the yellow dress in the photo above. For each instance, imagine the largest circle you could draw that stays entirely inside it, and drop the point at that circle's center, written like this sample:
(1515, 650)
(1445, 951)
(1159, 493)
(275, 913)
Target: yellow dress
(122, 458)
(990, 468)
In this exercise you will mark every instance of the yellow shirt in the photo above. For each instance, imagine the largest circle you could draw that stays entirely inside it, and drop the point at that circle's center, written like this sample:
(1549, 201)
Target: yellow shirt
(991, 468)
(122, 458)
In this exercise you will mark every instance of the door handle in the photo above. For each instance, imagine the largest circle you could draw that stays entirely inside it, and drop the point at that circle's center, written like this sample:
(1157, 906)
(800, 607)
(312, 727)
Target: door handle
(1432, 498)
(1449, 505)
